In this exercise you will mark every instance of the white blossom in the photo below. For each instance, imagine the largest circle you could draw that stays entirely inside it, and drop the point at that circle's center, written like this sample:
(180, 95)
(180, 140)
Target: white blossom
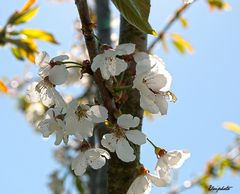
(170, 160)
(108, 62)
(143, 183)
(153, 81)
(187, 1)
(80, 119)
(56, 72)
(34, 112)
(53, 123)
(45, 92)
(117, 141)
(94, 157)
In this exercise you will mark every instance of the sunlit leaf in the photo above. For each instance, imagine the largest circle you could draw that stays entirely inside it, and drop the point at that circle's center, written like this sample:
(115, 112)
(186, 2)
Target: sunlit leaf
(3, 87)
(232, 127)
(16, 52)
(27, 5)
(218, 4)
(183, 22)
(39, 34)
(136, 12)
(22, 17)
(27, 48)
(181, 44)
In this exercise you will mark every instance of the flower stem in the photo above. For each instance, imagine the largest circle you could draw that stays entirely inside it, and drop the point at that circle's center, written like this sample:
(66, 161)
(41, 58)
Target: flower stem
(72, 62)
(73, 66)
(152, 143)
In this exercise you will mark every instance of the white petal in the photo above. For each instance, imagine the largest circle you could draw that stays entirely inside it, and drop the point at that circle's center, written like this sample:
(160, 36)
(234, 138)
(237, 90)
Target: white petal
(42, 59)
(148, 104)
(103, 153)
(124, 151)
(59, 137)
(97, 114)
(44, 71)
(58, 74)
(162, 104)
(71, 124)
(141, 185)
(162, 168)
(125, 49)
(127, 121)
(85, 128)
(44, 128)
(143, 66)
(58, 100)
(104, 72)
(139, 56)
(109, 141)
(176, 158)
(32, 94)
(136, 136)
(60, 58)
(159, 182)
(97, 62)
(117, 68)
(79, 165)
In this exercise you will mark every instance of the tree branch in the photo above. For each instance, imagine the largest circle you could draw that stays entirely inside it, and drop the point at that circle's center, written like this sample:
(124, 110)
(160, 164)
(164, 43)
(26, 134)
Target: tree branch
(172, 20)
(89, 36)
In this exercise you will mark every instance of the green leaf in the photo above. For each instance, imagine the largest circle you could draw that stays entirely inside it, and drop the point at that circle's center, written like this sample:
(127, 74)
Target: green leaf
(181, 44)
(183, 22)
(136, 12)
(39, 34)
(16, 52)
(22, 17)
(218, 4)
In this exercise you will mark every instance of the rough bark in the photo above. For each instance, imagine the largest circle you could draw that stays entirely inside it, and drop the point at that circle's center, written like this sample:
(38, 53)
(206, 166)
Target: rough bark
(121, 174)
(98, 178)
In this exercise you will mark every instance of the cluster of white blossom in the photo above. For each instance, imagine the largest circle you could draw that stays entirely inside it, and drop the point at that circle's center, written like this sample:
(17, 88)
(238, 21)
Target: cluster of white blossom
(75, 119)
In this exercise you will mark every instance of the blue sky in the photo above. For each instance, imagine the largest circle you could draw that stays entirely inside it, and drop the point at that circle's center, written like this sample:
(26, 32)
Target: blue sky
(206, 84)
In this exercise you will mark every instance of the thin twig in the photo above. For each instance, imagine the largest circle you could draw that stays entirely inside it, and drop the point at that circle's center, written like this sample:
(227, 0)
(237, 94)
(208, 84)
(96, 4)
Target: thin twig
(89, 36)
(172, 20)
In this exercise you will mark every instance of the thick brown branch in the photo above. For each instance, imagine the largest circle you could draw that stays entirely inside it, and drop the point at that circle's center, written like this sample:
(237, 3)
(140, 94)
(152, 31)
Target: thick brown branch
(172, 20)
(88, 33)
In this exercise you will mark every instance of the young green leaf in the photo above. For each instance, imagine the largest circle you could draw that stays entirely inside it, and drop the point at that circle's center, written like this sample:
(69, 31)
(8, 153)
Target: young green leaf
(136, 12)
(16, 53)
(22, 17)
(218, 4)
(39, 34)
(181, 44)
(183, 22)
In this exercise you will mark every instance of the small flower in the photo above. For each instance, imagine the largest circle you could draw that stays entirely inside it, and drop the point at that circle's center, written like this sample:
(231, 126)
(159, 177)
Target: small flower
(80, 119)
(45, 92)
(143, 183)
(94, 157)
(187, 1)
(117, 141)
(53, 123)
(169, 160)
(53, 69)
(109, 63)
(153, 81)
